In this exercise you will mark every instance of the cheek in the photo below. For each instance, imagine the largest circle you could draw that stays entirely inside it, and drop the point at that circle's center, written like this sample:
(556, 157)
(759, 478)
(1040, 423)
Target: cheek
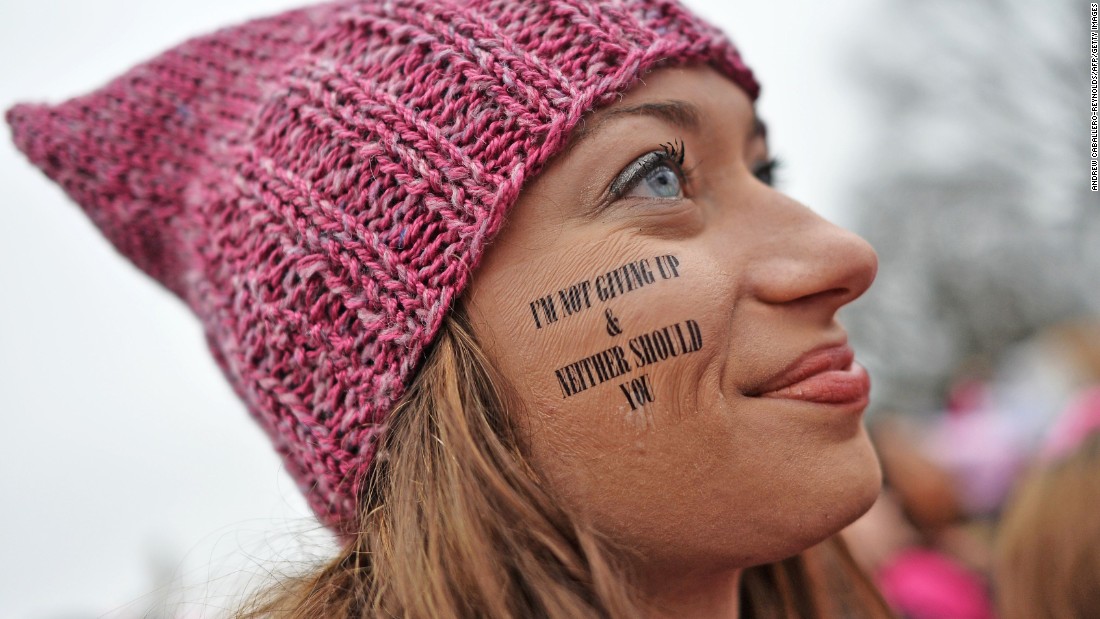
(624, 398)
(567, 332)
(601, 342)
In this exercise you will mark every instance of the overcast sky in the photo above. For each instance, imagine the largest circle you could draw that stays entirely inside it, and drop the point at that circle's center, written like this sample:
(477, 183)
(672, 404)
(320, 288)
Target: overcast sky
(123, 446)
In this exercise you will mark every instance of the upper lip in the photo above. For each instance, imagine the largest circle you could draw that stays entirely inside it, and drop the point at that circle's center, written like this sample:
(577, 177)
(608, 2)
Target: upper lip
(815, 361)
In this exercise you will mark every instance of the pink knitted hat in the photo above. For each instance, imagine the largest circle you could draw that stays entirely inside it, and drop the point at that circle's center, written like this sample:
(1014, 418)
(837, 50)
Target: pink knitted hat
(318, 185)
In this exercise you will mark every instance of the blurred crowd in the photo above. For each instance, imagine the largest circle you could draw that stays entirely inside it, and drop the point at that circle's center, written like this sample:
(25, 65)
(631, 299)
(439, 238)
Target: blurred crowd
(990, 504)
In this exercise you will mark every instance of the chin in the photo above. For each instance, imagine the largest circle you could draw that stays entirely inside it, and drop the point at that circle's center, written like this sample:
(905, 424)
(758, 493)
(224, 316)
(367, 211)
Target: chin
(865, 488)
(857, 487)
(854, 486)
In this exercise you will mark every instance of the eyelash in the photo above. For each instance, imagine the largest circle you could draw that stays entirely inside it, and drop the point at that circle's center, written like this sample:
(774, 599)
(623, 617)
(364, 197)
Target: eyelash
(766, 172)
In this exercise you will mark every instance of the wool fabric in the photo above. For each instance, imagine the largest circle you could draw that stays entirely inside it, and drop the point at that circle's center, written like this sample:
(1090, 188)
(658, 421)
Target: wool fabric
(319, 185)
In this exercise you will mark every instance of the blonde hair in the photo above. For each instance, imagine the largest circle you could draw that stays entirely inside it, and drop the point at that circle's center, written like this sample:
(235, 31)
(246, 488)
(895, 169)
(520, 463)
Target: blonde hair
(456, 524)
(1047, 562)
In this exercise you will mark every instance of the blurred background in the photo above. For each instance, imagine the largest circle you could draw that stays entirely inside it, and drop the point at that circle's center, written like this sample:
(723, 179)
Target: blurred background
(952, 135)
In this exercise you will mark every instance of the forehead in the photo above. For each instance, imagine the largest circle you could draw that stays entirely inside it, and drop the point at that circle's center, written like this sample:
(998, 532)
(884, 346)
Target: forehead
(690, 98)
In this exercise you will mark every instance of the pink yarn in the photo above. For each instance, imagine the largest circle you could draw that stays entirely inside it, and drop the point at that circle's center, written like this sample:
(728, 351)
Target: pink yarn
(318, 185)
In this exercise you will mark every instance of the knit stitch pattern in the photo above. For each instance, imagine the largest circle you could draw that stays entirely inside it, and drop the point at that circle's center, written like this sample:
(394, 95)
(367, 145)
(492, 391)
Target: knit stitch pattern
(319, 185)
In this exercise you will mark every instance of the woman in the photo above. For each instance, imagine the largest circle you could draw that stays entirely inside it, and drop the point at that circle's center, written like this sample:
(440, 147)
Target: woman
(508, 286)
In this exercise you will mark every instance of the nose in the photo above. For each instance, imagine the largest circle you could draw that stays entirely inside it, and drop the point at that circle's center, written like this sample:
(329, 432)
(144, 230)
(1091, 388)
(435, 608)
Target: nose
(805, 260)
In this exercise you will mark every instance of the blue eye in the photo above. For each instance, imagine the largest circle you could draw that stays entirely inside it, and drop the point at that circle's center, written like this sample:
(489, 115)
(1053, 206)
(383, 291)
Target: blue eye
(661, 182)
(657, 174)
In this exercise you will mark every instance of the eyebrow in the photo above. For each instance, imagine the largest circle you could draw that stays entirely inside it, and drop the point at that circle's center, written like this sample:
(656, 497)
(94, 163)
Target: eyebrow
(679, 113)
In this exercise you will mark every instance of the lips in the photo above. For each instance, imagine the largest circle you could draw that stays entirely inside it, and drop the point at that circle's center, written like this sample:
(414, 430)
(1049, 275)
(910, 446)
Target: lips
(825, 375)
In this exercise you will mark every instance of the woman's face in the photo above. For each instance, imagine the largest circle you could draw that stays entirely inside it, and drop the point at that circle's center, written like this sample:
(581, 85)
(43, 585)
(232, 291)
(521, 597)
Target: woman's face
(668, 319)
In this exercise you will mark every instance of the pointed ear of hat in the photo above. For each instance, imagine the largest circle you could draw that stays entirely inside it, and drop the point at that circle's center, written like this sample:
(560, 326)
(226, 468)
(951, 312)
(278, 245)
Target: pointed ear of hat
(127, 152)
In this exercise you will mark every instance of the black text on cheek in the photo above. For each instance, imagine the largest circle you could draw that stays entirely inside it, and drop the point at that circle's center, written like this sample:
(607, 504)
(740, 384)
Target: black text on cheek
(677, 339)
(591, 371)
(578, 297)
(671, 341)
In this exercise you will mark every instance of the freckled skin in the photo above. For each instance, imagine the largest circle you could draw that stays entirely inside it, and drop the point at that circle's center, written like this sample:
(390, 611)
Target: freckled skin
(706, 479)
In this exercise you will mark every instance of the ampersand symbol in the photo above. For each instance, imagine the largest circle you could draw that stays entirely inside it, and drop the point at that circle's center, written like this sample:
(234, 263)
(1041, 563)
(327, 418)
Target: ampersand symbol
(613, 327)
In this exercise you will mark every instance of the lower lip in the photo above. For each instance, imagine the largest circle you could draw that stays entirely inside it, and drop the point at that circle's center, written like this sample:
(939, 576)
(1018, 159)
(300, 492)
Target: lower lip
(849, 386)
